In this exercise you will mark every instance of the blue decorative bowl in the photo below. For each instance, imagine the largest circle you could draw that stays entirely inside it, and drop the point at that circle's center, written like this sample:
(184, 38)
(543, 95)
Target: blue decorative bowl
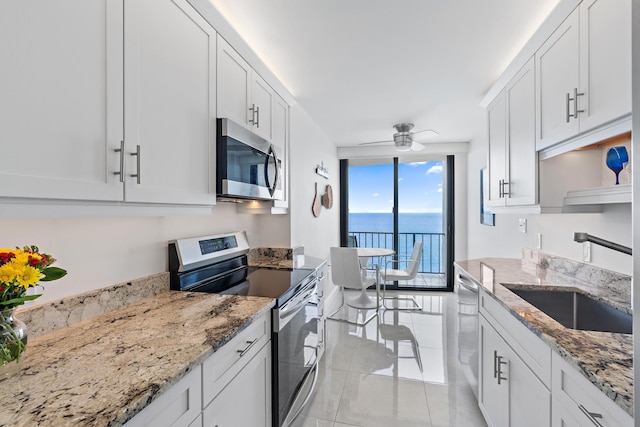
(616, 158)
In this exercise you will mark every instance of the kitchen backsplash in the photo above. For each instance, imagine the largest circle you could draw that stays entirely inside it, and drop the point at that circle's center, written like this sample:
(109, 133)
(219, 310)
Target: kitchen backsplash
(68, 311)
(557, 269)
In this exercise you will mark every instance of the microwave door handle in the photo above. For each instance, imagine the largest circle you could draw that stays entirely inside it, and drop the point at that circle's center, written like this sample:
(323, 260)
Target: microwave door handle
(271, 186)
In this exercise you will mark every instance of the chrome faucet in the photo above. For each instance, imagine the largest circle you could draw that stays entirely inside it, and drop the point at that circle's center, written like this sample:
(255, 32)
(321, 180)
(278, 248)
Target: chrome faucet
(584, 237)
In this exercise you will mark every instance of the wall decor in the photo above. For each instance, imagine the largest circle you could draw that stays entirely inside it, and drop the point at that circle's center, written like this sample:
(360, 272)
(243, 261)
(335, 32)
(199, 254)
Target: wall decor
(486, 217)
(322, 171)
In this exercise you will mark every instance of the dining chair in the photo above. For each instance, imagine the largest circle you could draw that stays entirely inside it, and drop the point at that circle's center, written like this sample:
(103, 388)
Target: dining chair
(347, 273)
(410, 271)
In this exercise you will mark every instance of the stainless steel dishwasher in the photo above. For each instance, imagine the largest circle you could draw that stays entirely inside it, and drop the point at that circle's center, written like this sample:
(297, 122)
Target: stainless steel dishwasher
(468, 340)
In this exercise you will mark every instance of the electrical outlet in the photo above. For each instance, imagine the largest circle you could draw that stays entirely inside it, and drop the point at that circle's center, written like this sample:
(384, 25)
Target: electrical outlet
(586, 251)
(522, 225)
(538, 241)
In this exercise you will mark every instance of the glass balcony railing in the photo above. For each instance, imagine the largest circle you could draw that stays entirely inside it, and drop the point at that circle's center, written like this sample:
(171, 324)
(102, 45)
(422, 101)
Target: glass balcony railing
(432, 259)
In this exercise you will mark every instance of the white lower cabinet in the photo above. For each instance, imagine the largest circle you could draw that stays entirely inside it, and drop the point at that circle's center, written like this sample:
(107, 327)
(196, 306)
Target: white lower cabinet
(507, 385)
(523, 383)
(232, 388)
(577, 402)
(246, 400)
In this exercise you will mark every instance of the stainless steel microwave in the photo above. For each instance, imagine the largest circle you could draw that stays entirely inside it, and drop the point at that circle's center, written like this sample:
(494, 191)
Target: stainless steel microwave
(247, 166)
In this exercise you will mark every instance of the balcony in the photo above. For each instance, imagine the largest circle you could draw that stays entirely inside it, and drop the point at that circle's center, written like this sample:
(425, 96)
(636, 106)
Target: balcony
(431, 270)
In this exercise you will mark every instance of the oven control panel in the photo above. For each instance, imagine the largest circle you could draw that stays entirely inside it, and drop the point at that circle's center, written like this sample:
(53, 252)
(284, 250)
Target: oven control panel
(197, 252)
(218, 244)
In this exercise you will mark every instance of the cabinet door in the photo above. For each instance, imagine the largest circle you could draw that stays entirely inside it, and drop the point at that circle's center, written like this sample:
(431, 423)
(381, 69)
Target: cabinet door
(281, 142)
(234, 85)
(493, 397)
(497, 150)
(246, 400)
(557, 75)
(61, 99)
(262, 101)
(521, 148)
(524, 389)
(170, 114)
(605, 55)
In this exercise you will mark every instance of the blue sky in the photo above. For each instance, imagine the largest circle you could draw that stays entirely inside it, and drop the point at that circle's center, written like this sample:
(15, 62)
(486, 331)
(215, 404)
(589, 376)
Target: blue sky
(420, 187)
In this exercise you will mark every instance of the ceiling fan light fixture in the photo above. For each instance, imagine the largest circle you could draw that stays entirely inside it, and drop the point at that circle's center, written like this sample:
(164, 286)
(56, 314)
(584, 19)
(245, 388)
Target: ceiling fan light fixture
(402, 141)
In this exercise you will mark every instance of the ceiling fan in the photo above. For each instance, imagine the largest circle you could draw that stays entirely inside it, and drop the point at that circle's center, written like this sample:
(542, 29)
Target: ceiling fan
(403, 138)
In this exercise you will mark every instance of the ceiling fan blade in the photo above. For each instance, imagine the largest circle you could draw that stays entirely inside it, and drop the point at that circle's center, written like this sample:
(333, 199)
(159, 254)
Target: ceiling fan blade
(416, 146)
(427, 132)
(375, 142)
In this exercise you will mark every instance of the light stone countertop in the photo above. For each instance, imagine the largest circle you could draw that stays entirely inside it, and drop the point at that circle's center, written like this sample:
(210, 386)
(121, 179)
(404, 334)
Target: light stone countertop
(103, 371)
(604, 358)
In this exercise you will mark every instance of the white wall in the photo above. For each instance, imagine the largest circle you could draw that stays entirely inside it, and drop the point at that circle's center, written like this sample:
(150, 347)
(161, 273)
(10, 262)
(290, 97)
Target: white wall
(504, 240)
(310, 146)
(99, 252)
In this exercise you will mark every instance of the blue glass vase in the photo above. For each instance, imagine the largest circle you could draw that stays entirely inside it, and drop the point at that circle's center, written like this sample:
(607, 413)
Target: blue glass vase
(616, 158)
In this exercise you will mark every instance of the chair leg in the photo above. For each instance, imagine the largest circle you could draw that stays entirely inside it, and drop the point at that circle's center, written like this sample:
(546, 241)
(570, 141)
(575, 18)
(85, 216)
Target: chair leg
(366, 320)
(415, 307)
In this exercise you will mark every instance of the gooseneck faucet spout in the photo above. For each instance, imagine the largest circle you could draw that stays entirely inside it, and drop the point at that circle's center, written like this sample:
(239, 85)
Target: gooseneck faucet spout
(582, 237)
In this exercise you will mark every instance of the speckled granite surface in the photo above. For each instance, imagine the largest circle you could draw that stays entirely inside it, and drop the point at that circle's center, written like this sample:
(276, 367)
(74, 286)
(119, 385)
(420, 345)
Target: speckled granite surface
(105, 370)
(606, 359)
(68, 311)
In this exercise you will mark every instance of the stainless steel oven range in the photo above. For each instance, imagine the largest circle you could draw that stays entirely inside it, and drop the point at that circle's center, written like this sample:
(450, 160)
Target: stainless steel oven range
(218, 264)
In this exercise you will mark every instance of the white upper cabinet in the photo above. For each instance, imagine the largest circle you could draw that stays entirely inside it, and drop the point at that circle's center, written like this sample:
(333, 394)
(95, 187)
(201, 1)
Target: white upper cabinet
(557, 74)
(170, 109)
(583, 72)
(243, 96)
(281, 144)
(512, 152)
(262, 98)
(234, 85)
(61, 105)
(605, 61)
(81, 119)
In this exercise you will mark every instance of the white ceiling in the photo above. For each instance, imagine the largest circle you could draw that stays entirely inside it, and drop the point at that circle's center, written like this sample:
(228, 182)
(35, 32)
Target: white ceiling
(360, 66)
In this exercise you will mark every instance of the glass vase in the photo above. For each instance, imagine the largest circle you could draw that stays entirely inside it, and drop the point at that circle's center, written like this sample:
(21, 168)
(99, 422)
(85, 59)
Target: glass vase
(13, 343)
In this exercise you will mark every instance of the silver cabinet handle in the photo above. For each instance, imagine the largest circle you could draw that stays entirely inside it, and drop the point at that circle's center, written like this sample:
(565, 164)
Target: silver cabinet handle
(251, 343)
(121, 151)
(137, 174)
(568, 115)
(504, 192)
(591, 415)
(252, 120)
(575, 102)
(257, 117)
(497, 367)
(500, 189)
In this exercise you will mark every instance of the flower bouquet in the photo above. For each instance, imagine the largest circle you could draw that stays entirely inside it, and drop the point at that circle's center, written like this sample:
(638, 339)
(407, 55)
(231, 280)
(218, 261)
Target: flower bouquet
(20, 270)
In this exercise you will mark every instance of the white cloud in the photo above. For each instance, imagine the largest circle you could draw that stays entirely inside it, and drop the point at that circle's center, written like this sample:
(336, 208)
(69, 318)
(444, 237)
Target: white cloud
(435, 169)
(416, 164)
(375, 194)
(400, 179)
(439, 190)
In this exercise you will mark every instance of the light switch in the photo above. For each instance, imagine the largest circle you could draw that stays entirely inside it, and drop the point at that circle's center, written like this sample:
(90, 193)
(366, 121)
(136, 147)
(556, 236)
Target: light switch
(522, 225)
(538, 241)
(586, 251)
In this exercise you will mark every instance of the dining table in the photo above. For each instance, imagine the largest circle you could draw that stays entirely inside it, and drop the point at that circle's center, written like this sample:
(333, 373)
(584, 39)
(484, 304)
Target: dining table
(364, 254)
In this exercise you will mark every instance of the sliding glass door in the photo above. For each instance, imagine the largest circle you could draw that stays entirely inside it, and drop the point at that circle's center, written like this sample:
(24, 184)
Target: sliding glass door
(394, 204)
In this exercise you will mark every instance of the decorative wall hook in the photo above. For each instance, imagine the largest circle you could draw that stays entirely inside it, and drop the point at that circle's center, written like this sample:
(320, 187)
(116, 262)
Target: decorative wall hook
(322, 171)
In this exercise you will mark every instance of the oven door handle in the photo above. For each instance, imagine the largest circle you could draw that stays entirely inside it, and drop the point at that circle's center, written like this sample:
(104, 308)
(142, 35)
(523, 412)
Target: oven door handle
(298, 306)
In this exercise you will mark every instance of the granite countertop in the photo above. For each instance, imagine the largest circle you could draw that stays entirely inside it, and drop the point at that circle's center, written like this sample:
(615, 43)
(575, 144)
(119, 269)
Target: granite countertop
(105, 370)
(604, 358)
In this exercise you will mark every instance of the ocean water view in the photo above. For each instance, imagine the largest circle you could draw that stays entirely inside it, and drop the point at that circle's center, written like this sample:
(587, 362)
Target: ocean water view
(376, 230)
(407, 222)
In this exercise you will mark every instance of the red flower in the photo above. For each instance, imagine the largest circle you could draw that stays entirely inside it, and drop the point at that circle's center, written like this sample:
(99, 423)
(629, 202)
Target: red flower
(6, 257)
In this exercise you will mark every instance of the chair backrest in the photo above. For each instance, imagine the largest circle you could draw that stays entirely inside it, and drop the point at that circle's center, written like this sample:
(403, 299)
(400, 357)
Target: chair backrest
(345, 268)
(352, 241)
(413, 267)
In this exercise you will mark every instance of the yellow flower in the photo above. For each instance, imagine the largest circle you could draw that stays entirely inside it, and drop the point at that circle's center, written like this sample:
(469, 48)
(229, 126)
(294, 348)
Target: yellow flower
(8, 273)
(21, 258)
(29, 276)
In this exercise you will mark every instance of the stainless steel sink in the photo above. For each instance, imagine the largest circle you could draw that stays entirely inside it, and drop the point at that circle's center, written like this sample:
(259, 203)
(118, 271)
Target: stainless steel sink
(577, 311)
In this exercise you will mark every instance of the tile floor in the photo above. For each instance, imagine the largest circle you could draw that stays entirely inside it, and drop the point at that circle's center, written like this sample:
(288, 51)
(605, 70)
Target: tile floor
(400, 370)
